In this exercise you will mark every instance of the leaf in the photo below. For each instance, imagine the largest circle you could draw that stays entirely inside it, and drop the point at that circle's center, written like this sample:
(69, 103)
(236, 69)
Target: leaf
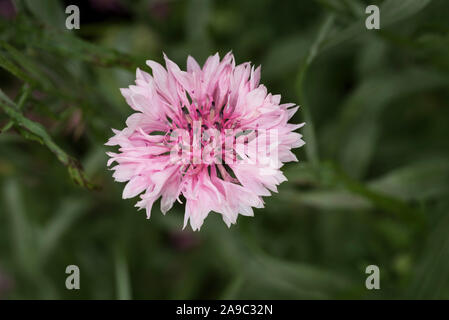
(197, 17)
(431, 275)
(417, 181)
(22, 99)
(36, 129)
(69, 210)
(70, 46)
(379, 199)
(245, 258)
(302, 173)
(309, 281)
(343, 191)
(20, 227)
(284, 56)
(123, 284)
(29, 65)
(327, 199)
(337, 7)
(14, 70)
(358, 125)
(5, 98)
(394, 11)
(309, 131)
(49, 12)
(232, 291)
(391, 11)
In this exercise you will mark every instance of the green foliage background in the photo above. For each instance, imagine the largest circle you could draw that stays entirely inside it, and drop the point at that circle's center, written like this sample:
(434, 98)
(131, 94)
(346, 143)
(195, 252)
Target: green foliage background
(371, 187)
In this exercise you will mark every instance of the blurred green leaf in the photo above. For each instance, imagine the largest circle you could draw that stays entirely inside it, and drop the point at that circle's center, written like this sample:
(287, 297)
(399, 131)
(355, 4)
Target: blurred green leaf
(77, 48)
(62, 221)
(14, 70)
(36, 129)
(418, 181)
(431, 274)
(22, 237)
(284, 56)
(49, 12)
(232, 291)
(303, 279)
(309, 130)
(395, 11)
(359, 124)
(122, 276)
(327, 199)
(197, 17)
(391, 12)
(32, 67)
(22, 99)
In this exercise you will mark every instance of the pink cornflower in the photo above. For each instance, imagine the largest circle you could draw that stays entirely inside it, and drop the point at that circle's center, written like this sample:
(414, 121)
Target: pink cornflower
(211, 136)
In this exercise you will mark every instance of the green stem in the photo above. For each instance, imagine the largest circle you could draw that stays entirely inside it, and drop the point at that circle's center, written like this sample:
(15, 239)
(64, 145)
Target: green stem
(309, 130)
(22, 99)
(35, 131)
(122, 276)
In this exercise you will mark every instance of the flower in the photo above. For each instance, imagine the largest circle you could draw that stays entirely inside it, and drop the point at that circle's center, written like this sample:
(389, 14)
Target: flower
(213, 136)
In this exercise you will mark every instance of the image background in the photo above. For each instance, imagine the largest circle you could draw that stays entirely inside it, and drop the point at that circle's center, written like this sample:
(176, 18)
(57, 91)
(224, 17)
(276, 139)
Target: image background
(371, 186)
